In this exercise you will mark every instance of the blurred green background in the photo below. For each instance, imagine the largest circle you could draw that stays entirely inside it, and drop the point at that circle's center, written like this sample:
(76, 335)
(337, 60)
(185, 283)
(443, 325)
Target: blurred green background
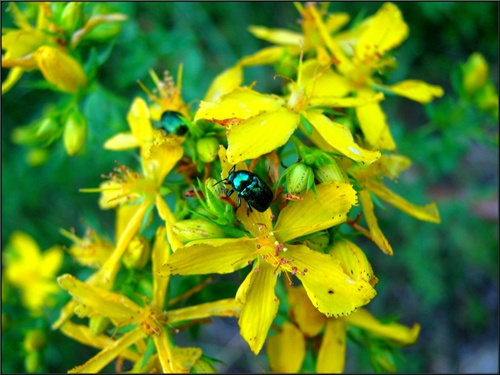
(444, 277)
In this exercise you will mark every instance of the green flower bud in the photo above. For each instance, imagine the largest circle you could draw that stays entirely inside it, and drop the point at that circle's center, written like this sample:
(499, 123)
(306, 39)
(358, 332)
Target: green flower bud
(319, 243)
(202, 366)
(37, 157)
(299, 178)
(195, 229)
(48, 129)
(137, 253)
(222, 211)
(331, 172)
(72, 17)
(75, 132)
(32, 361)
(475, 73)
(98, 325)
(207, 149)
(383, 360)
(34, 340)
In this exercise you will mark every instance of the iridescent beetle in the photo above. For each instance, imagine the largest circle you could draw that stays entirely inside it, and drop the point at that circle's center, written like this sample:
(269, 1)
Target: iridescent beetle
(251, 188)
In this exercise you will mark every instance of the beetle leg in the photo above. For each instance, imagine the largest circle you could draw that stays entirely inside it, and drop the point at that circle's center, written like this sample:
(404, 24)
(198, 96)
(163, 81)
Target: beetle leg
(249, 208)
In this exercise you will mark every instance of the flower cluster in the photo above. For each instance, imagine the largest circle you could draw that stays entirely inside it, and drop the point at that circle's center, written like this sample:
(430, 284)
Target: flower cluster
(265, 183)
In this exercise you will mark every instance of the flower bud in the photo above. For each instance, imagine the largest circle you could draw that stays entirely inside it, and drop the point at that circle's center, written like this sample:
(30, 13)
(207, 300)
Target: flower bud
(383, 359)
(137, 253)
(35, 339)
(217, 207)
(202, 366)
(60, 69)
(195, 229)
(207, 149)
(299, 178)
(75, 132)
(32, 361)
(331, 172)
(48, 129)
(72, 16)
(319, 243)
(37, 157)
(475, 73)
(98, 324)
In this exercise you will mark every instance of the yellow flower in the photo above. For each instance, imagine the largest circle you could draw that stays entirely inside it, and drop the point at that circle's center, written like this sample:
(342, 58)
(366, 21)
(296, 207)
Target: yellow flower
(365, 55)
(60, 69)
(145, 321)
(32, 271)
(271, 246)
(309, 323)
(357, 55)
(369, 178)
(40, 48)
(292, 42)
(90, 250)
(44, 46)
(259, 123)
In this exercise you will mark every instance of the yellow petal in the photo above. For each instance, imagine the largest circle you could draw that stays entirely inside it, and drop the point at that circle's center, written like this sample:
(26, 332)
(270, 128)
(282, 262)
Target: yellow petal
(343, 63)
(331, 356)
(374, 126)
(107, 273)
(121, 141)
(429, 212)
(98, 362)
(67, 311)
(392, 165)
(19, 46)
(139, 121)
(260, 307)
(81, 333)
(335, 21)
(241, 103)
(167, 215)
(269, 55)
(14, 75)
(277, 36)
(334, 101)
(313, 213)
(353, 260)
(124, 214)
(117, 307)
(376, 234)
(260, 134)
(160, 157)
(321, 82)
(51, 261)
(286, 350)
(305, 315)
(224, 83)
(184, 359)
(416, 90)
(226, 307)
(339, 137)
(396, 332)
(159, 257)
(386, 30)
(61, 69)
(330, 289)
(165, 353)
(210, 256)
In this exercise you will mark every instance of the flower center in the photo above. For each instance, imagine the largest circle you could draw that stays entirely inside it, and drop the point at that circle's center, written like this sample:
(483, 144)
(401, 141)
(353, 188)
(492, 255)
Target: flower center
(274, 252)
